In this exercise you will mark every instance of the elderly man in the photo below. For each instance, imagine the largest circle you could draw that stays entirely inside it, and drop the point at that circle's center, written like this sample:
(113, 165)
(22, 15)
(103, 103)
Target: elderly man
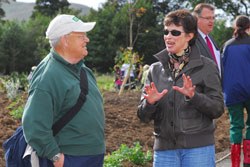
(54, 89)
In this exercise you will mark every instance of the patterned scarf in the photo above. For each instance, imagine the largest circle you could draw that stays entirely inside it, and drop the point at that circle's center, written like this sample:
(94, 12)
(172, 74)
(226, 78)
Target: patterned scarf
(176, 63)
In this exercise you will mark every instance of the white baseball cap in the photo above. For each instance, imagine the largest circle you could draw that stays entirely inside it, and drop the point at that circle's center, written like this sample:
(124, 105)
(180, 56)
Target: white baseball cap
(64, 24)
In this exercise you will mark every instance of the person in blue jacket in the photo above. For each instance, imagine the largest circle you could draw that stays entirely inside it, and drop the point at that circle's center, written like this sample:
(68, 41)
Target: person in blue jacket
(236, 87)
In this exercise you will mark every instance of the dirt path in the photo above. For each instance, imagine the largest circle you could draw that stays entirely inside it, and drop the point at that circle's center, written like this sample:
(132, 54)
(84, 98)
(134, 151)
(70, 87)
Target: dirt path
(122, 124)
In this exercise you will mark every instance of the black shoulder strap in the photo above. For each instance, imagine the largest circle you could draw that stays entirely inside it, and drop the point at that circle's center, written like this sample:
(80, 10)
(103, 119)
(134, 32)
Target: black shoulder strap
(74, 110)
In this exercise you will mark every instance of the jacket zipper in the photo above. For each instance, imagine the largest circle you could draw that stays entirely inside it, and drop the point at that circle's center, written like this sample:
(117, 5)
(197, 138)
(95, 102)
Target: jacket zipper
(174, 108)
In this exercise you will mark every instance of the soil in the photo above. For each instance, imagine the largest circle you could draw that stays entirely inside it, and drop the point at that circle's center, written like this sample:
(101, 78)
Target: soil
(122, 124)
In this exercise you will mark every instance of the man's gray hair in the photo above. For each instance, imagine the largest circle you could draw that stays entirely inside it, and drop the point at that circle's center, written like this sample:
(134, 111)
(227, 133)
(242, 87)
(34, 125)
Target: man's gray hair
(54, 42)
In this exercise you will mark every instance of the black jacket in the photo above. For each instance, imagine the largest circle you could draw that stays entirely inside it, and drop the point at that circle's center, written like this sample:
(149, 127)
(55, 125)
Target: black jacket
(180, 122)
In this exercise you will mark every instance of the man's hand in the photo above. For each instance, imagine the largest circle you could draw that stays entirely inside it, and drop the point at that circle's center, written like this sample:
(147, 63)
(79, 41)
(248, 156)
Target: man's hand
(60, 162)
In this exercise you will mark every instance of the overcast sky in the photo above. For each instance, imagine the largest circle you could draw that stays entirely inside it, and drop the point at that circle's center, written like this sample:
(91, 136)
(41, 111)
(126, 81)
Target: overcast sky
(90, 3)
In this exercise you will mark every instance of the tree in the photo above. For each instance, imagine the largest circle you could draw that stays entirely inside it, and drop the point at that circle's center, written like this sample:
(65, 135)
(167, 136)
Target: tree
(50, 7)
(23, 45)
(103, 44)
(233, 8)
(37, 46)
(221, 33)
(119, 24)
(11, 45)
(112, 32)
(133, 13)
(168, 5)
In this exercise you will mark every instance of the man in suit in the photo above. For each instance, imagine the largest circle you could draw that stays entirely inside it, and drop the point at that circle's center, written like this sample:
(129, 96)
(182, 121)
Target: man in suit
(205, 14)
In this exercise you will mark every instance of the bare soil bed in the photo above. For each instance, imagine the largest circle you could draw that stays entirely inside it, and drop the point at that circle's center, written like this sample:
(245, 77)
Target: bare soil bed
(122, 124)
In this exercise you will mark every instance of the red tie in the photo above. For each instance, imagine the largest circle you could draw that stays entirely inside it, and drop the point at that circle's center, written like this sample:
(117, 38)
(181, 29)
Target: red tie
(209, 44)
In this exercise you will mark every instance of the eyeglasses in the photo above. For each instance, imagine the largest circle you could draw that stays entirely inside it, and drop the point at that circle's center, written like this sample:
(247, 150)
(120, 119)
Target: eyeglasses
(173, 32)
(81, 37)
(207, 18)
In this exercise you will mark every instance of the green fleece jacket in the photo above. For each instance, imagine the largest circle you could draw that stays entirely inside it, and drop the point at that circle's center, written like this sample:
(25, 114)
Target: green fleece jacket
(54, 89)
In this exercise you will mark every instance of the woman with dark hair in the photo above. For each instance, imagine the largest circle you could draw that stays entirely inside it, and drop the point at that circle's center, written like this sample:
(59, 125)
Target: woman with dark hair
(182, 96)
(236, 87)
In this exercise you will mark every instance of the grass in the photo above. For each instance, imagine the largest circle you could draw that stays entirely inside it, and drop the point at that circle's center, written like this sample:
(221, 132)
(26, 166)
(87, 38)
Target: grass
(105, 82)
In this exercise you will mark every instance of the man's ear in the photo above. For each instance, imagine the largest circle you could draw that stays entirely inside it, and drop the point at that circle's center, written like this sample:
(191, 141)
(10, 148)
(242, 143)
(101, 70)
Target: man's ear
(64, 41)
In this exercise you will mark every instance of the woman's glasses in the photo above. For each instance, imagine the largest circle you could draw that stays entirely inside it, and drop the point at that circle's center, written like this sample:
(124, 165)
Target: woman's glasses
(173, 32)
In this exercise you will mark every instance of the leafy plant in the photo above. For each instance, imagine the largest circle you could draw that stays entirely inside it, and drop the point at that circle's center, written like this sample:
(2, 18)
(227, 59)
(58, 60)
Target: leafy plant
(11, 87)
(23, 79)
(16, 107)
(134, 155)
(13, 83)
(137, 156)
(17, 113)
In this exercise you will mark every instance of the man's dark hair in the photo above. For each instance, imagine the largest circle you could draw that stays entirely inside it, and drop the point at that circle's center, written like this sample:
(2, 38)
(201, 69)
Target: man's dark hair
(198, 8)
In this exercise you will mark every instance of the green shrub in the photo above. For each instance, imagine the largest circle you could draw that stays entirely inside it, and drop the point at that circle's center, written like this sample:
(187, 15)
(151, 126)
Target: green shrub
(16, 107)
(134, 155)
(22, 77)
(14, 83)
(17, 113)
(137, 156)
(11, 87)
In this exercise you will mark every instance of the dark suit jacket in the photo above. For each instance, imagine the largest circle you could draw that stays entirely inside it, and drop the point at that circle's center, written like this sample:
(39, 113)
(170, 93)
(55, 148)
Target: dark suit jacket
(204, 50)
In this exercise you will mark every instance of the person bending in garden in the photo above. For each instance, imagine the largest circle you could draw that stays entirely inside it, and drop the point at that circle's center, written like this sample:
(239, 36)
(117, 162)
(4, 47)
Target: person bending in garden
(54, 89)
(236, 87)
(182, 95)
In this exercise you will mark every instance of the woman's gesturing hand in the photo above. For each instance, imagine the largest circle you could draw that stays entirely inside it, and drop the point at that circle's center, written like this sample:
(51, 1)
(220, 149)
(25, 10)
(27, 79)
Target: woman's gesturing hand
(151, 93)
(188, 88)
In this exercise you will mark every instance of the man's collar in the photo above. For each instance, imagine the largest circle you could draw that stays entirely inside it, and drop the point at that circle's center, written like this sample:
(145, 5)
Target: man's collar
(56, 56)
(202, 34)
